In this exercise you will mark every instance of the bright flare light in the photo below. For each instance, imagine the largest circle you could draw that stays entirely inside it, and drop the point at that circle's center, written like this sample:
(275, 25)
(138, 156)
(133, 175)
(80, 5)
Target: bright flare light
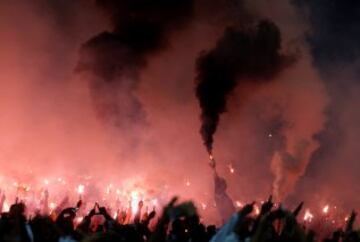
(231, 168)
(52, 206)
(326, 209)
(6, 207)
(203, 206)
(134, 201)
(81, 189)
(308, 216)
(238, 204)
(78, 220)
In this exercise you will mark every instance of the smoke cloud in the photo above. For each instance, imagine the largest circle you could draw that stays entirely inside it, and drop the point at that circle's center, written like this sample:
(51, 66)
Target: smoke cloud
(249, 55)
(115, 58)
(135, 95)
(333, 37)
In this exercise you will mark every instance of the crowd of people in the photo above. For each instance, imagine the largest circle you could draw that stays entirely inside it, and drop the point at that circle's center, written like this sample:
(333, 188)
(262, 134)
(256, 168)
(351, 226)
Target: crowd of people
(178, 222)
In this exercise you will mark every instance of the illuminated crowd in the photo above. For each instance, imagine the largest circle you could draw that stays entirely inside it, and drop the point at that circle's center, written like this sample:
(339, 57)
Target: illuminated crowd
(175, 222)
(134, 214)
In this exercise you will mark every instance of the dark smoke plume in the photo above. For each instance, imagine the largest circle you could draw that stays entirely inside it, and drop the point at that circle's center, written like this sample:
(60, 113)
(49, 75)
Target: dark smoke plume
(140, 28)
(247, 55)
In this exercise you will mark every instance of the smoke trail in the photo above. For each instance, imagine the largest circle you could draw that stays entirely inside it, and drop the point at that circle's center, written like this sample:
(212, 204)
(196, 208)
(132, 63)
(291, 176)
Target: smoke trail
(246, 55)
(334, 41)
(115, 58)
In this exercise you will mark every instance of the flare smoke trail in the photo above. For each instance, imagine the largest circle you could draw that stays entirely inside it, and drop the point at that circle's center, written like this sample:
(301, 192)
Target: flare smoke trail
(334, 41)
(241, 56)
(115, 58)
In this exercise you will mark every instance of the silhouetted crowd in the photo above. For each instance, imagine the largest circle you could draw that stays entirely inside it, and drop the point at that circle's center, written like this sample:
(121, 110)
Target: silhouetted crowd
(178, 222)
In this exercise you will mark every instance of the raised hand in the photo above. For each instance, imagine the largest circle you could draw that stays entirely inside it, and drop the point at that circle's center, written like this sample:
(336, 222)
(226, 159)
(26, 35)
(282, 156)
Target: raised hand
(350, 222)
(247, 209)
(78, 204)
(267, 206)
(298, 209)
(140, 204)
(151, 215)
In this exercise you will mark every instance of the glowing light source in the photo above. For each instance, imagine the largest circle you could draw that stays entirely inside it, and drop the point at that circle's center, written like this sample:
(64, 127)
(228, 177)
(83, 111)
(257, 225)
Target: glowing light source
(6, 207)
(81, 189)
(257, 209)
(203, 206)
(78, 220)
(52, 205)
(325, 209)
(231, 168)
(238, 204)
(308, 216)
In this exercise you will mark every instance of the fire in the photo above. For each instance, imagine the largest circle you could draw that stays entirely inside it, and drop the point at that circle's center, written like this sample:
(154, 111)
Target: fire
(308, 216)
(108, 189)
(212, 161)
(257, 209)
(238, 204)
(78, 220)
(81, 189)
(46, 182)
(203, 206)
(134, 201)
(118, 192)
(325, 210)
(52, 205)
(115, 215)
(231, 168)
(6, 207)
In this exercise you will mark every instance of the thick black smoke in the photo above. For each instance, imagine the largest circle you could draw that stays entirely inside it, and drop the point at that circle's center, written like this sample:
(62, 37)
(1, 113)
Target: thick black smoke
(115, 58)
(247, 55)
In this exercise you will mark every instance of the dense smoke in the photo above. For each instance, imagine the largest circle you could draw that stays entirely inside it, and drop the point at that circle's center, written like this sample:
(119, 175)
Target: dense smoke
(334, 41)
(139, 29)
(53, 120)
(248, 55)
